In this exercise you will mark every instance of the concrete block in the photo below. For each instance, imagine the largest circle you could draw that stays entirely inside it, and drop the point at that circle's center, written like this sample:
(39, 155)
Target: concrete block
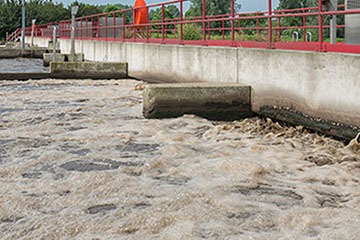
(62, 57)
(77, 57)
(215, 101)
(49, 57)
(24, 76)
(93, 70)
(10, 53)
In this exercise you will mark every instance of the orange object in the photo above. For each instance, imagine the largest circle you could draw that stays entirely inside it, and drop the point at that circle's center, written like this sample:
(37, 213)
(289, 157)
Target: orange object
(141, 15)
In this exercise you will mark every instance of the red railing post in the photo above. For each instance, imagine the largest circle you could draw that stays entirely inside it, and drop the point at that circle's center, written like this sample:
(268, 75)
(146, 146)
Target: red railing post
(106, 27)
(222, 29)
(203, 20)
(270, 45)
(114, 15)
(162, 23)
(239, 25)
(232, 23)
(304, 25)
(92, 27)
(124, 25)
(257, 23)
(279, 28)
(321, 43)
(181, 21)
(134, 27)
(87, 27)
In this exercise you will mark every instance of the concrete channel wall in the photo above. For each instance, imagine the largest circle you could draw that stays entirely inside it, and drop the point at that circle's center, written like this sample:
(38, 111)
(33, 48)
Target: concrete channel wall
(315, 85)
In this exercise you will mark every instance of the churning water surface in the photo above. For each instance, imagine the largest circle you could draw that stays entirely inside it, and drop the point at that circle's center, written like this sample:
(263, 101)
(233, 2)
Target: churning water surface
(79, 161)
(22, 65)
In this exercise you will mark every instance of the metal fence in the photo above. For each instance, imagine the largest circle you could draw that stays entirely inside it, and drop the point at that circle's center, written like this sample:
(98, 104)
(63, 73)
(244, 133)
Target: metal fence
(264, 29)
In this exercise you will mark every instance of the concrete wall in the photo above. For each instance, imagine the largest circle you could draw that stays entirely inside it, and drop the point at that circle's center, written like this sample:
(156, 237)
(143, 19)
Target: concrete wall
(320, 85)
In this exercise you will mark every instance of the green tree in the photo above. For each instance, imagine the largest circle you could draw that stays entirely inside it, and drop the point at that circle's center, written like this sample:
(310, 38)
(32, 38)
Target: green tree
(170, 12)
(213, 7)
(310, 20)
(85, 9)
(115, 7)
(44, 11)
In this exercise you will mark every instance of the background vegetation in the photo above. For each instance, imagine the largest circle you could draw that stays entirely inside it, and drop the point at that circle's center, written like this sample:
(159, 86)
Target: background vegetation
(46, 11)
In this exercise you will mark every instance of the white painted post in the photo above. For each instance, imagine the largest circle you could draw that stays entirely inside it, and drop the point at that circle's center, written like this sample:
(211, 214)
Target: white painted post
(32, 31)
(54, 43)
(74, 10)
(23, 25)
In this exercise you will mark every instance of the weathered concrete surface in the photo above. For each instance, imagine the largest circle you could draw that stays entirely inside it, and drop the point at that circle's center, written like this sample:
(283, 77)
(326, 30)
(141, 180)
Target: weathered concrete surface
(49, 57)
(34, 52)
(219, 101)
(77, 57)
(24, 76)
(93, 70)
(340, 130)
(62, 57)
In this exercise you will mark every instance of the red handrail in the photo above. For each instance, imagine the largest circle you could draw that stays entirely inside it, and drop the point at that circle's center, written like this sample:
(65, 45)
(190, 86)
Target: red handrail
(214, 30)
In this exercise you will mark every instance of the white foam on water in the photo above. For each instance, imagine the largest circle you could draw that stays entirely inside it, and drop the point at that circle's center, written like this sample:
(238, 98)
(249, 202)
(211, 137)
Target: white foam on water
(78, 161)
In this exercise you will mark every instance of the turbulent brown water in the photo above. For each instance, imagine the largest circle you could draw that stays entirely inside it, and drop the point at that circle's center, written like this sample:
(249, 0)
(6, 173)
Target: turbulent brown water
(24, 65)
(78, 161)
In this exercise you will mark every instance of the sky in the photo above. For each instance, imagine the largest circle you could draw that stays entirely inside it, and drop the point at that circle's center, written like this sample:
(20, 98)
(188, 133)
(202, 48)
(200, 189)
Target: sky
(247, 5)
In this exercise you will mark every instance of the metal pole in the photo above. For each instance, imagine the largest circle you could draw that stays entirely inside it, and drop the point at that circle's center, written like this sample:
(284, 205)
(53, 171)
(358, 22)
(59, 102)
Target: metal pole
(74, 10)
(232, 23)
(7, 36)
(181, 21)
(320, 26)
(279, 29)
(203, 19)
(304, 26)
(162, 23)
(32, 31)
(72, 35)
(333, 29)
(54, 43)
(23, 25)
(270, 23)
(334, 6)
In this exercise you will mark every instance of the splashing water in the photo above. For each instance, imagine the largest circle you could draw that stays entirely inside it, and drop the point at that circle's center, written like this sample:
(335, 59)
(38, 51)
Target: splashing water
(78, 161)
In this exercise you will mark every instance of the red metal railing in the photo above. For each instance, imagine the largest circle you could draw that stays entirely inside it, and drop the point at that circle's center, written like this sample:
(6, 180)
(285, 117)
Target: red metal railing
(13, 36)
(253, 30)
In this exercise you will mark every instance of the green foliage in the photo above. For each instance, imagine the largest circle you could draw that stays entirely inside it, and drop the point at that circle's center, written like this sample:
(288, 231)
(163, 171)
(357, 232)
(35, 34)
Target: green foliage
(310, 20)
(190, 32)
(115, 7)
(170, 12)
(44, 11)
(85, 9)
(213, 7)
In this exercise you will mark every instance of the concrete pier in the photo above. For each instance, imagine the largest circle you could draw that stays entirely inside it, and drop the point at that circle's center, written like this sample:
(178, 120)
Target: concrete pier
(24, 76)
(93, 70)
(215, 101)
(34, 52)
(62, 57)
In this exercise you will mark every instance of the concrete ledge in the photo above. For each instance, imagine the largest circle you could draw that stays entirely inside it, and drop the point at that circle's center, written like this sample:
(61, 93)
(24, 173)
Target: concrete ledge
(339, 130)
(62, 57)
(35, 52)
(49, 57)
(24, 76)
(93, 70)
(215, 101)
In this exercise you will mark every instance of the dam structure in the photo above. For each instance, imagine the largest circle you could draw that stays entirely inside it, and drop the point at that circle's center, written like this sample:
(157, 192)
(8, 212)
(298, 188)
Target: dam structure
(302, 81)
